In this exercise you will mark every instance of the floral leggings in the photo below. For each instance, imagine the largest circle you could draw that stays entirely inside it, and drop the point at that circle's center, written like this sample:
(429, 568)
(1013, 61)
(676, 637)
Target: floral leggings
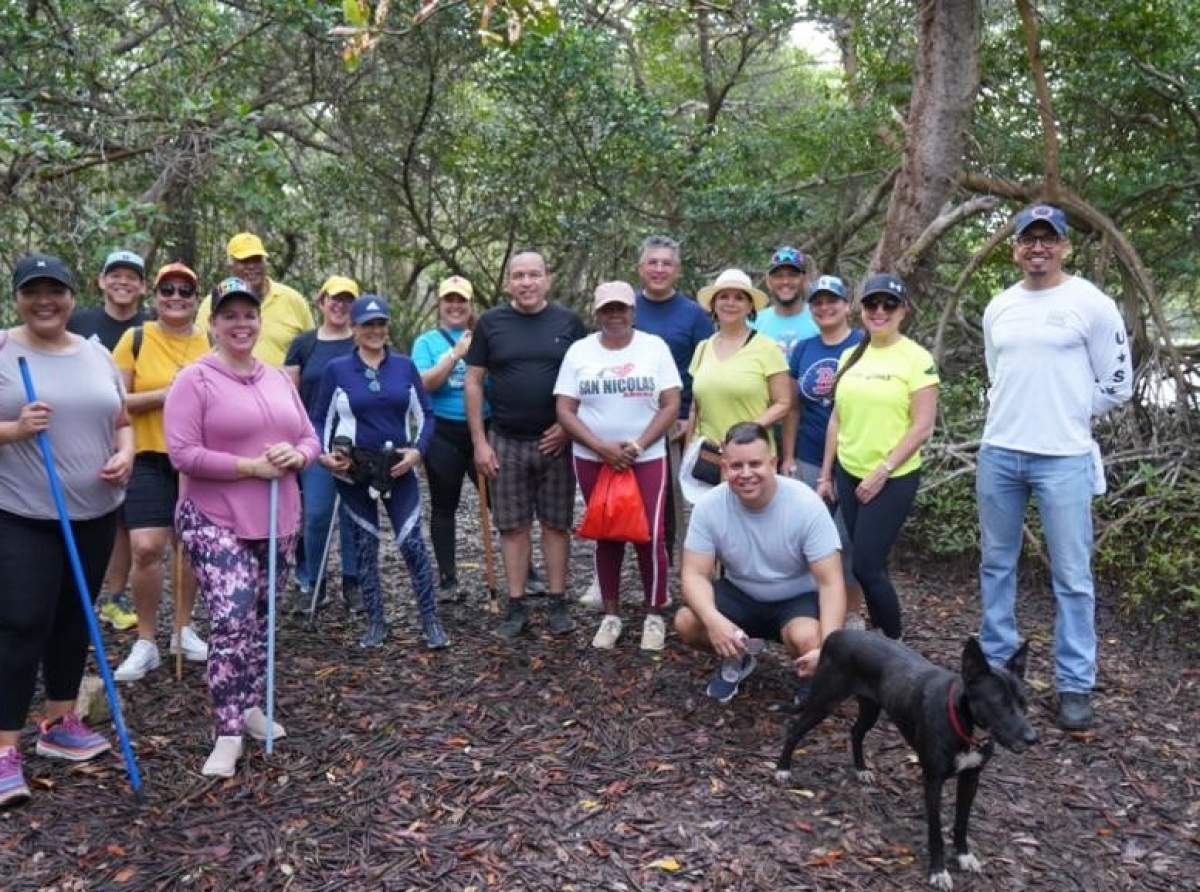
(232, 577)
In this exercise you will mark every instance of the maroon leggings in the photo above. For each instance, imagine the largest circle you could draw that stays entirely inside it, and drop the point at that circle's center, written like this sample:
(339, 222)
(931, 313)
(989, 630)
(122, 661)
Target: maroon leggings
(652, 556)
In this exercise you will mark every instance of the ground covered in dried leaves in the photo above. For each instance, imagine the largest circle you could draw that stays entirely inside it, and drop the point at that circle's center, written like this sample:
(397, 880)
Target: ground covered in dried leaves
(547, 765)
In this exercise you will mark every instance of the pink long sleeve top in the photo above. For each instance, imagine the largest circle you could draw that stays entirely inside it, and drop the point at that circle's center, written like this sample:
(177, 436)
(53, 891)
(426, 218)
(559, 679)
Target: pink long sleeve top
(213, 416)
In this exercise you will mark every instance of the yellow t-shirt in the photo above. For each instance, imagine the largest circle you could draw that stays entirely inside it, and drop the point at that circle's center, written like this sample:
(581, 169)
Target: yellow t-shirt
(161, 357)
(874, 404)
(285, 313)
(734, 389)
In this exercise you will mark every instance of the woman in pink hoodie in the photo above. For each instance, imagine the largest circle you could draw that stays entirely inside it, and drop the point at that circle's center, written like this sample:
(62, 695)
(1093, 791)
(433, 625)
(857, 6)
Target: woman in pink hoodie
(233, 424)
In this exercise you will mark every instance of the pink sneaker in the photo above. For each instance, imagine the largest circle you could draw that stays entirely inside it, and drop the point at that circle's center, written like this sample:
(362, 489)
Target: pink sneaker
(69, 738)
(13, 790)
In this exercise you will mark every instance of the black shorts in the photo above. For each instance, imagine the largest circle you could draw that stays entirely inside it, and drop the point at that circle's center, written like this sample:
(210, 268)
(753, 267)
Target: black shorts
(152, 493)
(762, 619)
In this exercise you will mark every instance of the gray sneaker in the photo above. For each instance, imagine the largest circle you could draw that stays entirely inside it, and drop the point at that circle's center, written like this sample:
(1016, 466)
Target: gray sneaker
(558, 616)
(514, 620)
(1074, 711)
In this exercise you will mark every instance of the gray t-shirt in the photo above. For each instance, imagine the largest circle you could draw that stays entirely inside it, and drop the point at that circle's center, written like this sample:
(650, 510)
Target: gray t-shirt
(766, 553)
(84, 389)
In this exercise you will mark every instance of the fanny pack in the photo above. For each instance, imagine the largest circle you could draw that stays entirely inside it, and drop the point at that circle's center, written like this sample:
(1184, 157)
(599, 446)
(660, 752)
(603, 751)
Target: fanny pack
(369, 467)
(707, 468)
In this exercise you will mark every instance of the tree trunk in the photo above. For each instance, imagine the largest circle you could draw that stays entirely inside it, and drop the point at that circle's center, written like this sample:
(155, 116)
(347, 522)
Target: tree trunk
(945, 81)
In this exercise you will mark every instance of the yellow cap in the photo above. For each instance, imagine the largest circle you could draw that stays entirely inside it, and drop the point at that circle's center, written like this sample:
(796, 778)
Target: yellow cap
(339, 285)
(456, 285)
(245, 245)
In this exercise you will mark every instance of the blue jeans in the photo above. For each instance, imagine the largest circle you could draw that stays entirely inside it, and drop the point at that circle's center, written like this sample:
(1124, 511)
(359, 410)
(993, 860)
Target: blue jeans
(1062, 486)
(317, 485)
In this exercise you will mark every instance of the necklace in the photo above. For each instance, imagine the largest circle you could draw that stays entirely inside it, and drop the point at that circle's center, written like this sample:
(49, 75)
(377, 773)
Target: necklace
(177, 345)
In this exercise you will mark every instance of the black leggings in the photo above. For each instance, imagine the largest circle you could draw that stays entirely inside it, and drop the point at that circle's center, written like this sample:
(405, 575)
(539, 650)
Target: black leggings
(449, 458)
(41, 617)
(874, 529)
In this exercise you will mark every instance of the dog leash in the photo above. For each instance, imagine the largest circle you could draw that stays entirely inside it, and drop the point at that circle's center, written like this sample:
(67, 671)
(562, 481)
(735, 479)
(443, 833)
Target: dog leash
(954, 721)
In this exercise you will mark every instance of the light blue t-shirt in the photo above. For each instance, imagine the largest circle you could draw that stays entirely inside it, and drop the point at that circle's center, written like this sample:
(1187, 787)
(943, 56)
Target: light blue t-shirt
(448, 401)
(786, 331)
(766, 553)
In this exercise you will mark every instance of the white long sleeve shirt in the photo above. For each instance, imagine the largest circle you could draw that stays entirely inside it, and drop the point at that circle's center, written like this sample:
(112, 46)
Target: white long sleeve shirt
(1055, 358)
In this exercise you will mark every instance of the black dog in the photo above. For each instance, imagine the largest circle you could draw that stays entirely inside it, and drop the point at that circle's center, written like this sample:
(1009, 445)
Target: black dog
(936, 711)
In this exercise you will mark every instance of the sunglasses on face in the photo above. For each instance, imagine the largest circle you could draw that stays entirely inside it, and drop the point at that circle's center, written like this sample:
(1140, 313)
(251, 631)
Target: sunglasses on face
(372, 376)
(889, 304)
(1047, 239)
(171, 290)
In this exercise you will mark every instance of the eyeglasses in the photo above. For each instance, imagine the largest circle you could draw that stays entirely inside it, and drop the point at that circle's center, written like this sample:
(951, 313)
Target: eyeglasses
(889, 304)
(372, 376)
(1048, 240)
(172, 290)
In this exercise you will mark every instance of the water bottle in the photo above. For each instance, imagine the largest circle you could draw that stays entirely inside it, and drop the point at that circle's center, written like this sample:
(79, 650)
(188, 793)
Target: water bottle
(735, 669)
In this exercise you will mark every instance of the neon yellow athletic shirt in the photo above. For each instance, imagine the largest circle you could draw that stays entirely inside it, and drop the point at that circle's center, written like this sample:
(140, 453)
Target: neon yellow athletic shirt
(874, 404)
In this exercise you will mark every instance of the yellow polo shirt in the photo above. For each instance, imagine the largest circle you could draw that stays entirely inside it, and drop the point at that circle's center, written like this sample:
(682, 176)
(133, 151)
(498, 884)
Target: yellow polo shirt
(285, 313)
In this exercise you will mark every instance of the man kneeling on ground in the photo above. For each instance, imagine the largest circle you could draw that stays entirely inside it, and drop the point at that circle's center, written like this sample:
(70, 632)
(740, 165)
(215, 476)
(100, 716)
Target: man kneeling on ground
(782, 577)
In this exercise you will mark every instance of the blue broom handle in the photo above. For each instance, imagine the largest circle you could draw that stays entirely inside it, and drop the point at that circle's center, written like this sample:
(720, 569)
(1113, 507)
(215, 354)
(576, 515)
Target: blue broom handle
(43, 440)
(272, 543)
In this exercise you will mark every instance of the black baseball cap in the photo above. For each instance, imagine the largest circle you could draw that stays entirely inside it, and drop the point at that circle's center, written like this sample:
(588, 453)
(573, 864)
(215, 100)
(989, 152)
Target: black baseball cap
(32, 267)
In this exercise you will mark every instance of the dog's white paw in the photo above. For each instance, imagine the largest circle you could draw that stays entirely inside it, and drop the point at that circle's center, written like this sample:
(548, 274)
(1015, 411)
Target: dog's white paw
(941, 881)
(783, 778)
(968, 862)
(866, 777)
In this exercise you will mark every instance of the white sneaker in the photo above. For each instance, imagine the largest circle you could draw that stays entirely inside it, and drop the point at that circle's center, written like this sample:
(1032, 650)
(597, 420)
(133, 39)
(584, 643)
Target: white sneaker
(591, 598)
(608, 633)
(654, 632)
(256, 725)
(855, 622)
(222, 762)
(194, 648)
(142, 658)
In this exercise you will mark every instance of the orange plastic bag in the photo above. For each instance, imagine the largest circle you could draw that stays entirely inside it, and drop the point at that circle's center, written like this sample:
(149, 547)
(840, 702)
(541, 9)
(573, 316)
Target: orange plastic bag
(615, 510)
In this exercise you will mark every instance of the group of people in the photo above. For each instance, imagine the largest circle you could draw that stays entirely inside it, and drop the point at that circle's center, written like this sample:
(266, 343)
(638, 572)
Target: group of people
(795, 436)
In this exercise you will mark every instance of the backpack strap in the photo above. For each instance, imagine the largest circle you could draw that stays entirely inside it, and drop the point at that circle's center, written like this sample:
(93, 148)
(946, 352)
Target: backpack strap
(139, 334)
(445, 334)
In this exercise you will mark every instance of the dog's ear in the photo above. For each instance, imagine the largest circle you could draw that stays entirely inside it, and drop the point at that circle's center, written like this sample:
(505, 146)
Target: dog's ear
(974, 663)
(1016, 663)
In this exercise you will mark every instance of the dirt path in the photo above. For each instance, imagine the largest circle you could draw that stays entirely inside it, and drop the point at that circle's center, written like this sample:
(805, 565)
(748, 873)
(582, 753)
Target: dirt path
(547, 765)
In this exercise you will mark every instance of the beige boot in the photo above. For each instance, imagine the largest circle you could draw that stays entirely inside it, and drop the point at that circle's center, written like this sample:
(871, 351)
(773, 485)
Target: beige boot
(222, 762)
(256, 724)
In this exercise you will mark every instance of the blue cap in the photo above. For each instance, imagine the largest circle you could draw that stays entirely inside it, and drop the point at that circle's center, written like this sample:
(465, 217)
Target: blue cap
(885, 283)
(367, 308)
(127, 259)
(1042, 213)
(830, 285)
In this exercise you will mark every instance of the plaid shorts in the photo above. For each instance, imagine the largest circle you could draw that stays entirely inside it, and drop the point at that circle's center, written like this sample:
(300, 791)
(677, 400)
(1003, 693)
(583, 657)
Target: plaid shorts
(531, 485)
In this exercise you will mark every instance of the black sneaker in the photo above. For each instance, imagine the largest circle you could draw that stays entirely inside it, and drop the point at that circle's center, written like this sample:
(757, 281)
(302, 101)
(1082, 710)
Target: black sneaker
(352, 595)
(803, 693)
(514, 620)
(449, 592)
(435, 636)
(304, 600)
(375, 635)
(558, 616)
(1074, 711)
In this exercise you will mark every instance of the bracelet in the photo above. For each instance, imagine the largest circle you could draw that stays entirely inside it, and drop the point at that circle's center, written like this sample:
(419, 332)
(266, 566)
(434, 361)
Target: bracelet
(636, 446)
(822, 480)
(888, 466)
